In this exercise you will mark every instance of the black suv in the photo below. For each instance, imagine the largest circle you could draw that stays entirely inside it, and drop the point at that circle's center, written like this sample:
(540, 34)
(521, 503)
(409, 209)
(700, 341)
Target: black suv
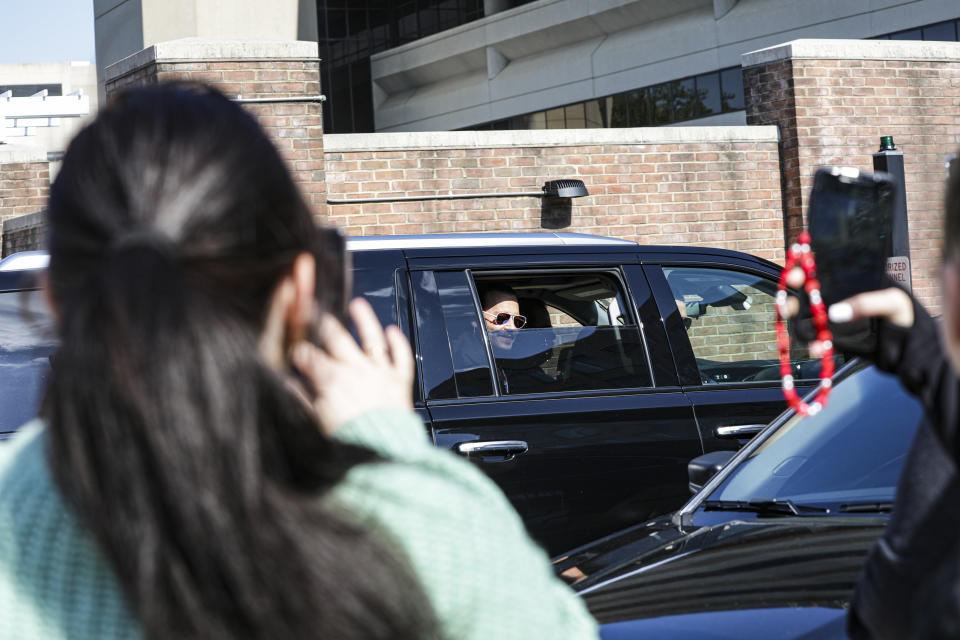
(633, 360)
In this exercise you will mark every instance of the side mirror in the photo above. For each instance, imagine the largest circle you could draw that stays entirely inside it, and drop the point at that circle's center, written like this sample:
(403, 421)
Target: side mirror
(702, 468)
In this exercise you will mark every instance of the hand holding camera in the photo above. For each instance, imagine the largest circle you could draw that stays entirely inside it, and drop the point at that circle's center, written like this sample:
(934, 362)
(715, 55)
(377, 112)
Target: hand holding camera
(850, 220)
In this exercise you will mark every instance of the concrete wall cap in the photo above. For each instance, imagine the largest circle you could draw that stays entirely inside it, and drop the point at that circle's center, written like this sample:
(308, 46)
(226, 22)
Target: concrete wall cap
(16, 154)
(347, 142)
(29, 221)
(855, 50)
(209, 50)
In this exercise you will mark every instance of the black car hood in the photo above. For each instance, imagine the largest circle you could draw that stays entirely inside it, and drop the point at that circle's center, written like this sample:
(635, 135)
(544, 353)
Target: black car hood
(782, 564)
(787, 623)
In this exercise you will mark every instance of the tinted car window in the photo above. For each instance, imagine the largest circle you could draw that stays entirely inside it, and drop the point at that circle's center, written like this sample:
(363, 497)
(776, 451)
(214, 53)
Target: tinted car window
(471, 363)
(579, 335)
(852, 451)
(26, 342)
(373, 278)
(730, 317)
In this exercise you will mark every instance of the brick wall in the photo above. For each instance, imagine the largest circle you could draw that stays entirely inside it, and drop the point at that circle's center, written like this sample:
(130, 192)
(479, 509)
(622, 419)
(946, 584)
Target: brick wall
(742, 188)
(717, 186)
(724, 334)
(833, 99)
(24, 187)
(253, 70)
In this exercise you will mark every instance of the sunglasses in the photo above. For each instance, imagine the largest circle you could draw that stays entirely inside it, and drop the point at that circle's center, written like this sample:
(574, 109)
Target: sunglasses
(503, 318)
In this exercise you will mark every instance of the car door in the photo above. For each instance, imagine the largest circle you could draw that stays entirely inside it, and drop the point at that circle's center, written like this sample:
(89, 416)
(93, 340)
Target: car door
(380, 276)
(720, 317)
(568, 418)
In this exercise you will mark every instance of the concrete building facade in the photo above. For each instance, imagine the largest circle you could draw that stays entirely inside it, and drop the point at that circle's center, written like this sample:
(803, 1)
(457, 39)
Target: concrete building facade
(124, 27)
(42, 105)
(530, 61)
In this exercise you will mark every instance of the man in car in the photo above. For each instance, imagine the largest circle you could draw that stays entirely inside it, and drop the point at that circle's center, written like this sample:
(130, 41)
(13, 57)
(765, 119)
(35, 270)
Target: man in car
(501, 308)
(520, 356)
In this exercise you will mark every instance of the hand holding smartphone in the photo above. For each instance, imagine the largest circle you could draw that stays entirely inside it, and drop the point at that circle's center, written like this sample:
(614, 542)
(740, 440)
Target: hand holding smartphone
(334, 273)
(332, 290)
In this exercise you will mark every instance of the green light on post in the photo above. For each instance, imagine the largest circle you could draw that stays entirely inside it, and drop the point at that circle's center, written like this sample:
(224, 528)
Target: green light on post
(886, 143)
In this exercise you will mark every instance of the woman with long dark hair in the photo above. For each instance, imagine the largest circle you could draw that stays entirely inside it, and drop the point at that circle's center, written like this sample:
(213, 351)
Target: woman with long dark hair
(178, 484)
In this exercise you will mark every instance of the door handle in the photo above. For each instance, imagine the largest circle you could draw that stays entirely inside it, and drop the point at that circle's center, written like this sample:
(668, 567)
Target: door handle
(507, 449)
(738, 430)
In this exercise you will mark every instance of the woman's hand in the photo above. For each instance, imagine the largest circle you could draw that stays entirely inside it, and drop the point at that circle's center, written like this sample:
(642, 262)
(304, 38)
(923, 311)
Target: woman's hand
(892, 305)
(349, 379)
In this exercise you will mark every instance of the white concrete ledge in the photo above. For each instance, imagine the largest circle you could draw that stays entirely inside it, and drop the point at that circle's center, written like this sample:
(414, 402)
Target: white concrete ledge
(346, 142)
(855, 50)
(17, 154)
(207, 50)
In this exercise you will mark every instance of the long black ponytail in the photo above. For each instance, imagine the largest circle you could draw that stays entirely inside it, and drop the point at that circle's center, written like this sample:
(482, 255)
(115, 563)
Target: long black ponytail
(172, 220)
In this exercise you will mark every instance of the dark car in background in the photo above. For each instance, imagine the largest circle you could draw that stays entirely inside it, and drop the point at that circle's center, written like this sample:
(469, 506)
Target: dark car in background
(26, 340)
(770, 547)
(634, 360)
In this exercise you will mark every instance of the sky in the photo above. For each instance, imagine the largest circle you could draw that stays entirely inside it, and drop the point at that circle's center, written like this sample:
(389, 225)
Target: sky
(46, 31)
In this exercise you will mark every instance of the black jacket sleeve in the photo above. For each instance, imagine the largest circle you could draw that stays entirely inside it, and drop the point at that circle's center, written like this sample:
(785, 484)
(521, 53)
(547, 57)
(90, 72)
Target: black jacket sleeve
(893, 596)
(919, 359)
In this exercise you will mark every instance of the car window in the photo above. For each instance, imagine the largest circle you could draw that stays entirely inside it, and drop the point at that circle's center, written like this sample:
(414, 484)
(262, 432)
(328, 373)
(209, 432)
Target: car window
(27, 340)
(730, 318)
(578, 334)
(471, 362)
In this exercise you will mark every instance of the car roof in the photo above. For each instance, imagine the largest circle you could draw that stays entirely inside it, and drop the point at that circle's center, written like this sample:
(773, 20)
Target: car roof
(485, 244)
(15, 269)
(482, 240)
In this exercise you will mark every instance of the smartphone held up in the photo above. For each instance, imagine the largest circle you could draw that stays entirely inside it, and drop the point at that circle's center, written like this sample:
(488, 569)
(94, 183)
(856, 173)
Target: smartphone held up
(334, 274)
(850, 218)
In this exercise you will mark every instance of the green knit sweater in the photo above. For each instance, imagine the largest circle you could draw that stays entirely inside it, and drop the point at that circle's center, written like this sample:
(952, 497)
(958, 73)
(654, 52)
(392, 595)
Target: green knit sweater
(483, 575)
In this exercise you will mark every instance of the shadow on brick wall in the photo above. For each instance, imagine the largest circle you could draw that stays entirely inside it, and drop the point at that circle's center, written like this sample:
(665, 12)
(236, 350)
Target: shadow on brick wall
(555, 213)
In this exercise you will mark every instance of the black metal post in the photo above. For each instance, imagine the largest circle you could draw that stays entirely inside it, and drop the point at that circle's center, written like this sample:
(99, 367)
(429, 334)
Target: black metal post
(890, 160)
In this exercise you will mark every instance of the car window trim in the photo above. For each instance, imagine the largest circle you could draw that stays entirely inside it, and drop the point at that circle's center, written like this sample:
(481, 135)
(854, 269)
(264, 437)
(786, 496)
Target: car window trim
(421, 297)
(626, 279)
(403, 298)
(557, 395)
(491, 359)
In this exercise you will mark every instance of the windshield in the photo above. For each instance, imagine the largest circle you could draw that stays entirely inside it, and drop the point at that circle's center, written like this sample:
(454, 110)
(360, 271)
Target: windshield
(851, 452)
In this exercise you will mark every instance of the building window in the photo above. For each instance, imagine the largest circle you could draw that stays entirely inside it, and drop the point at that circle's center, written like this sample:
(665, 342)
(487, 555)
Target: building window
(350, 31)
(27, 90)
(946, 31)
(665, 103)
(677, 100)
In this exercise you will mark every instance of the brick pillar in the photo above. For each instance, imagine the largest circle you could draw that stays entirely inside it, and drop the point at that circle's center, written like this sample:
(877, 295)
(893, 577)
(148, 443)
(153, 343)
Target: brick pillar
(833, 99)
(24, 184)
(263, 70)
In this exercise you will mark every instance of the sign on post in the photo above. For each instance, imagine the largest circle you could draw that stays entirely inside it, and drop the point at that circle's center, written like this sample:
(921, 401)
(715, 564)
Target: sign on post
(898, 268)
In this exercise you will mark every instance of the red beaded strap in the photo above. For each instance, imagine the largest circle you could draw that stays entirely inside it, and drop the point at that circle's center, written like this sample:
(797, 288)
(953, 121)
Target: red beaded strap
(800, 254)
